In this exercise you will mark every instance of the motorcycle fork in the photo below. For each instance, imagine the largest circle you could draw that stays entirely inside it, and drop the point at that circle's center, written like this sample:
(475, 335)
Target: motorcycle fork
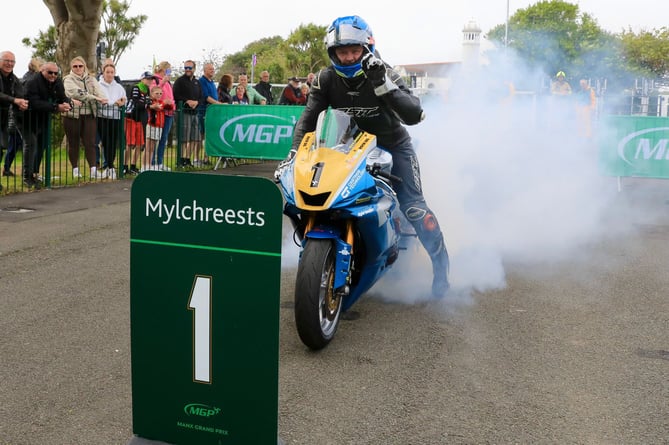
(348, 236)
(348, 230)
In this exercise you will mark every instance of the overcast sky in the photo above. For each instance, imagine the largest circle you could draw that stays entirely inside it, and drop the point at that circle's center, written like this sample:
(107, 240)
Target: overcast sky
(178, 30)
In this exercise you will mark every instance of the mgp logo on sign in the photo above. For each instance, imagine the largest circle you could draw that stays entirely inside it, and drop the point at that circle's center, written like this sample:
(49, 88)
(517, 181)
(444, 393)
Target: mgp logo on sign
(634, 146)
(250, 131)
(246, 130)
(645, 145)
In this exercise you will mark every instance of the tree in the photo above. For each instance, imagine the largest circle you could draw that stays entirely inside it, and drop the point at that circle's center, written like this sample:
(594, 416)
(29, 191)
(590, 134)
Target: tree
(44, 45)
(118, 29)
(115, 28)
(305, 49)
(647, 51)
(303, 52)
(270, 56)
(549, 34)
(78, 24)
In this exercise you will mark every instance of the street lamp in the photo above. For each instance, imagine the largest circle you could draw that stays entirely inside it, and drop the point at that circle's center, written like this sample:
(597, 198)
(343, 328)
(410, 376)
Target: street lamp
(506, 28)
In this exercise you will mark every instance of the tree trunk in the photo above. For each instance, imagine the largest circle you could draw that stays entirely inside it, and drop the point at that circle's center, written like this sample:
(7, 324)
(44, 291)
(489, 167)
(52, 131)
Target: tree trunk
(78, 25)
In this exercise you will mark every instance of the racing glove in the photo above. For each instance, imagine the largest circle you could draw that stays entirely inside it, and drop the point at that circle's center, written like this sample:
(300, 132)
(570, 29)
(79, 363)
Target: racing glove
(375, 70)
(283, 165)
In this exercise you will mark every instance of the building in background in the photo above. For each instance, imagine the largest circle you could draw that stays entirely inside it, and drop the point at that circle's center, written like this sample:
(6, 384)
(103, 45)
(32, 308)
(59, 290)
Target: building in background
(424, 78)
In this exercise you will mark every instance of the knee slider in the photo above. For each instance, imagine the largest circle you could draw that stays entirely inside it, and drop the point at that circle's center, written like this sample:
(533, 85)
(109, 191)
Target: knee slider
(422, 217)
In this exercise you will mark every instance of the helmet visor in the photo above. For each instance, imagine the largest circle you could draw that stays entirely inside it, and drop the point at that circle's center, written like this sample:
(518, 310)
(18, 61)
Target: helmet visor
(345, 34)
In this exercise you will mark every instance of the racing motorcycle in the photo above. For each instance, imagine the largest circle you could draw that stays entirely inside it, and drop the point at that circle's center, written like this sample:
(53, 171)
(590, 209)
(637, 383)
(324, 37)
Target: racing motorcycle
(346, 220)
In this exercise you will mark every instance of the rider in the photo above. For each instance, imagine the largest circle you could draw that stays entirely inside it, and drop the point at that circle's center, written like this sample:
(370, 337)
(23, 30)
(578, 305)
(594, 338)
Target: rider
(365, 87)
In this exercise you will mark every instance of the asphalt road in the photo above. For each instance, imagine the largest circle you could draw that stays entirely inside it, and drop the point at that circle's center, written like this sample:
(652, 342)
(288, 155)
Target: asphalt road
(571, 352)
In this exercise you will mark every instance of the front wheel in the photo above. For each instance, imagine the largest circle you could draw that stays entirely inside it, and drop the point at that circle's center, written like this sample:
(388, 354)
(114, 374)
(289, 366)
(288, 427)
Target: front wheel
(317, 306)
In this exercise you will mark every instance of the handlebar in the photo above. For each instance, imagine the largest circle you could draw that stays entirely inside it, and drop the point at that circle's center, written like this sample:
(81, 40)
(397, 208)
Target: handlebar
(375, 170)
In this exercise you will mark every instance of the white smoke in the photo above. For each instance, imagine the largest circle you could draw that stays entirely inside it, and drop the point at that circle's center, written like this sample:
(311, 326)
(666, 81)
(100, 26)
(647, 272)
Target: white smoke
(511, 178)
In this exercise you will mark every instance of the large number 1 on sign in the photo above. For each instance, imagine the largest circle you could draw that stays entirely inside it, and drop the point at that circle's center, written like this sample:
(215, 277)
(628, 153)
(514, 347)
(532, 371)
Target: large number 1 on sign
(200, 303)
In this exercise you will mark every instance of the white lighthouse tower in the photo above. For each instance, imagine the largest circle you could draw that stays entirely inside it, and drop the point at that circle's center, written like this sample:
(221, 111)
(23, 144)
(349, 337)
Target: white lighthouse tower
(471, 45)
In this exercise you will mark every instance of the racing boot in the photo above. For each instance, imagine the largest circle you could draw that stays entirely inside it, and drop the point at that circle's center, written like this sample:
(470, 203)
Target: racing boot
(429, 233)
(440, 265)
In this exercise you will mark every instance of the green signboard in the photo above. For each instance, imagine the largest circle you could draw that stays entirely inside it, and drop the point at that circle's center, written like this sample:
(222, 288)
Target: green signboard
(205, 263)
(250, 131)
(634, 146)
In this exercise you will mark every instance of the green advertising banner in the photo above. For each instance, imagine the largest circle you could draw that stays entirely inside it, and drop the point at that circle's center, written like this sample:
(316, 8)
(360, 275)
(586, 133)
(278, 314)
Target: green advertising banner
(634, 146)
(250, 131)
(205, 260)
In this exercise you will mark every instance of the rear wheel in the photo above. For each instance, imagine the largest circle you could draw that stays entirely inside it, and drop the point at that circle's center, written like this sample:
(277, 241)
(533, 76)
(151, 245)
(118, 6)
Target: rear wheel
(317, 306)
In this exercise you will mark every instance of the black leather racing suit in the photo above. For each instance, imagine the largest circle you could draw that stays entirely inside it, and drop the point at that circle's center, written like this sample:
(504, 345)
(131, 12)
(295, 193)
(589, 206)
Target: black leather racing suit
(384, 117)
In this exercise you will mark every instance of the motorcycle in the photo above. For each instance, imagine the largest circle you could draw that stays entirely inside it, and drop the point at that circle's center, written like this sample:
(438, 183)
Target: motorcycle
(346, 218)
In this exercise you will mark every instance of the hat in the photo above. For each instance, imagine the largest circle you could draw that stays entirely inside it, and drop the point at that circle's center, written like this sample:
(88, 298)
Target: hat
(293, 79)
(147, 75)
(560, 73)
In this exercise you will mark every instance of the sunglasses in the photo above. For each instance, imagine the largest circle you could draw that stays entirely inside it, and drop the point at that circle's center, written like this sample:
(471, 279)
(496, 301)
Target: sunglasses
(53, 73)
(188, 68)
(77, 66)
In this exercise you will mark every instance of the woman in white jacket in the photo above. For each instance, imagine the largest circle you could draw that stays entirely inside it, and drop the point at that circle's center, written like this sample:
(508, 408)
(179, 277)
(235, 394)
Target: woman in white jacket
(110, 126)
(79, 124)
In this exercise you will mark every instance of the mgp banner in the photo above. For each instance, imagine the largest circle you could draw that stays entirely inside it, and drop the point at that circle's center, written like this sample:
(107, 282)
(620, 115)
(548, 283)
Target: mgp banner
(635, 146)
(250, 131)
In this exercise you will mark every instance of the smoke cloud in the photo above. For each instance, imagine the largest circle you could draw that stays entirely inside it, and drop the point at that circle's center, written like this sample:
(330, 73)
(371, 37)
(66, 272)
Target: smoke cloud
(512, 178)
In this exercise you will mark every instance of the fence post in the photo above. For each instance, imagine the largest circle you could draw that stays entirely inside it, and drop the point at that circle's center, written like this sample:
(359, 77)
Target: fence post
(47, 154)
(177, 120)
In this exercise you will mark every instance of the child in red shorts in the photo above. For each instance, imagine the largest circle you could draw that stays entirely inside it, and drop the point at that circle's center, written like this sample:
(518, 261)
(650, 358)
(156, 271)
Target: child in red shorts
(155, 124)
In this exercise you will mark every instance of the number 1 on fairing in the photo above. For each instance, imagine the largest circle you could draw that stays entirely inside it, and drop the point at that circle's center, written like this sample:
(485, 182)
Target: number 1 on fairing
(200, 303)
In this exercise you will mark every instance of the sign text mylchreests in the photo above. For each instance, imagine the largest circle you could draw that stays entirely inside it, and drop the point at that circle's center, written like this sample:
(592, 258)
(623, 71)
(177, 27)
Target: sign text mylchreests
(192, 211)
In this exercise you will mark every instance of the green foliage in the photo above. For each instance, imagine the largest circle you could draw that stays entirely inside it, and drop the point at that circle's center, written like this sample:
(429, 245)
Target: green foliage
(44, 45)
(553, 36)
(647, 51)
(117, 30)
(298, 55)
(550, 35)
(306, 49)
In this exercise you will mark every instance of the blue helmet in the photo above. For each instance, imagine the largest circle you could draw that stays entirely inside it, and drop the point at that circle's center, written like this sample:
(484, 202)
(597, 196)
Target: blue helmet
(349, 30)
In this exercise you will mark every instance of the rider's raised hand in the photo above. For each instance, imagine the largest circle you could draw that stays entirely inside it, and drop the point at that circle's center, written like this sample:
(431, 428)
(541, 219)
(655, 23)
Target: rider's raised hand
(374, 69)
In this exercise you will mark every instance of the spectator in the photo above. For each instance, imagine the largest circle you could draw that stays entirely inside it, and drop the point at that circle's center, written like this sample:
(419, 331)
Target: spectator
(12, 102)
(255, 98)
(291, 94)
(560, 87)
(162, 74)
(109, 61)
(223, 89)
(110, 125)
(33, 69)
(209, 96)
(80, 123)
(265, 88)
(46, 95)
(187, 93)
(240, 97)
(304, 89)
(15, 142)
(136, 118)
(360, 83)
(310, 79)
(155, 125)
(586, 103)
